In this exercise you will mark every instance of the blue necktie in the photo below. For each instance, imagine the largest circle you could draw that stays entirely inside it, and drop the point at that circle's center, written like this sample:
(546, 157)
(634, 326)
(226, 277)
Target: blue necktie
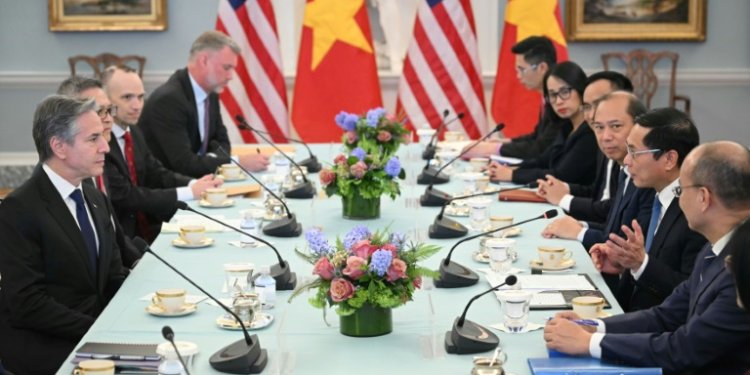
(655, 213)
(86, 229)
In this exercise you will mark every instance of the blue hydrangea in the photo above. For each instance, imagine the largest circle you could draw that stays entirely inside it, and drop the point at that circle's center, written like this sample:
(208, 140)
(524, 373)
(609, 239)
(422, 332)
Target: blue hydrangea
(350, 122)
(393, 167)
(341, 118)
(373, 116)
(380, 261)
(397, 239)
(358, 233)
(359, 153)
(318, 244)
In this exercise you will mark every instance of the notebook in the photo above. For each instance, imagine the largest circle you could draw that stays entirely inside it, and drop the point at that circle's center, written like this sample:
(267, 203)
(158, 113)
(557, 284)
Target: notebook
(584, 366)
(553, 292)
(117, 351)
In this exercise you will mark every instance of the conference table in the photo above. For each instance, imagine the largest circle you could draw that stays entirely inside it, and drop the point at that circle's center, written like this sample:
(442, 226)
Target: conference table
(299, 341)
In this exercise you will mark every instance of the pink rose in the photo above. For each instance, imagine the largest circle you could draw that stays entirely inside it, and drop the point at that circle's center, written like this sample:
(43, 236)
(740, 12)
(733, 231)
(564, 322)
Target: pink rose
(361, 249)
(351, 137)
(417, 282)
(355, 267)
(397, 270)
(384, 136)
(358, 169)
(392, 248)
(340, 159)
(341, 289)
(327, 176)
(323, 268)
(390, 117)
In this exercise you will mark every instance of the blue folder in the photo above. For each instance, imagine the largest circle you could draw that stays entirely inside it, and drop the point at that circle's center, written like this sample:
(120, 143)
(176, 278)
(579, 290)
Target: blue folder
(584, 366)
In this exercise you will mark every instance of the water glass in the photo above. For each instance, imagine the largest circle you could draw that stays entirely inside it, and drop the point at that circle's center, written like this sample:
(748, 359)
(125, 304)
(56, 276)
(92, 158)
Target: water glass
(479, 213)
(515, 309)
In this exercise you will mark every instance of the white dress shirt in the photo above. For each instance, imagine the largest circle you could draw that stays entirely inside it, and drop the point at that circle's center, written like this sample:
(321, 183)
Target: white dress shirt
(65, 188)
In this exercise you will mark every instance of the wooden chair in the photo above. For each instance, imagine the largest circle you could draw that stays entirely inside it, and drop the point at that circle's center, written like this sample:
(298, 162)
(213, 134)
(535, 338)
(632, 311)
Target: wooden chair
(639, 67)
(103, 60)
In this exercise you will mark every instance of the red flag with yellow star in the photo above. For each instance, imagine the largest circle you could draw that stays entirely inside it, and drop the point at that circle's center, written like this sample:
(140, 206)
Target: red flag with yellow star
(336, 70)
(512, 103)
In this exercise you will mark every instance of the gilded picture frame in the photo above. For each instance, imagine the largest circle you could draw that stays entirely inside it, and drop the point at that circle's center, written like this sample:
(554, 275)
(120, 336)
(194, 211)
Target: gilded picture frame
(637, 20)
(107, 15)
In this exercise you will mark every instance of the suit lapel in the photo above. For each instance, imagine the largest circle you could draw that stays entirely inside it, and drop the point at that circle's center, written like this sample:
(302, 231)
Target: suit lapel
(708, 274)
(100, 216)
(183, 78)
(115, 155)
(667, 222)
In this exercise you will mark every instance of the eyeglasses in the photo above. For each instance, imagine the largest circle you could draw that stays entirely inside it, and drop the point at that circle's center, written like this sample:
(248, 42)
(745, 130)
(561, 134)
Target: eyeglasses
(633, 153)
(677, 190)
(521, 70)
(563, 94)
(104, 111)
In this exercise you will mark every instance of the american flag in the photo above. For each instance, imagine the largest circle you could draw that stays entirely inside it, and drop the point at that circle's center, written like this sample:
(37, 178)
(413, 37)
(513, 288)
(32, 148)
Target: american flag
(441, 70)
(257, 91)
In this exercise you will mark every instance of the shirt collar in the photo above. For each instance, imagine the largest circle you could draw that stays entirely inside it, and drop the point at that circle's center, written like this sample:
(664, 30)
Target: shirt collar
(722, 242)
(666, 195)
(61, 185)
(200, 95)
(119, 132)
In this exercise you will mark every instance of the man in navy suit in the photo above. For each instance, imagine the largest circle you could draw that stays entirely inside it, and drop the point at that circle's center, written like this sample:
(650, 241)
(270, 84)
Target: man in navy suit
(181, 120)
(699, 328)
(59, 259)
(653, 260)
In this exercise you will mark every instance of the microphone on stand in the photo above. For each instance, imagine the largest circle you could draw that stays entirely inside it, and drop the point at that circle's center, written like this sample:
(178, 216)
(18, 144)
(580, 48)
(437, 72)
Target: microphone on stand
(241, 357)
(284, 227)
(433, 197)
(285, 278)
(304, 190)
(312, 163)
(168, 334)
(429, 151)
(454, 275)
(468, 337)
(444, 227)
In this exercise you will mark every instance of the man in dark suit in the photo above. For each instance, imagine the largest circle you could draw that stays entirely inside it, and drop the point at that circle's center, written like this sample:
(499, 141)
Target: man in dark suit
(59, 261)
(698, 329)
(142, 191)
(181, 120)
(653, 261)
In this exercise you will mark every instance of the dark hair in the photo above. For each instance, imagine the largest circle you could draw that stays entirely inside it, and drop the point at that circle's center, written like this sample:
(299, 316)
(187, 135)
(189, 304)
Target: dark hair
(570, 73)
(739, 263)
(536, 49)
(57, 117)
(725, 172)
(618, 81)
(671, 129)
(74, 85)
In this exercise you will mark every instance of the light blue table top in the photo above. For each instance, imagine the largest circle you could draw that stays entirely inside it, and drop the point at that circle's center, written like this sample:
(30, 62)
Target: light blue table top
(299, 341)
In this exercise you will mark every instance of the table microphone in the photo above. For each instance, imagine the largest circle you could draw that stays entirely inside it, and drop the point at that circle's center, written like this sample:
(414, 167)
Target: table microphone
(168, 334)
(468, 337)
(436, 198)
(285, 278)
(241, 357)
(454, 275)
(429, 150)
(312, 163)
(303, 190)
(284, 227)
(444, 227)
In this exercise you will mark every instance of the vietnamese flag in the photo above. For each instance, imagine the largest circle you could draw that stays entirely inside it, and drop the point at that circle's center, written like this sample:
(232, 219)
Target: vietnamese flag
(512, 103)
(336, 70)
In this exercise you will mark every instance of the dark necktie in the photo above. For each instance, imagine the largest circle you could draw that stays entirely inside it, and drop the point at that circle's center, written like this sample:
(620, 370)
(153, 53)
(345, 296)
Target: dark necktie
(614, 213)
(86, 229)
(707, 260)
(204, 144)
(653, 223)
(130, 158)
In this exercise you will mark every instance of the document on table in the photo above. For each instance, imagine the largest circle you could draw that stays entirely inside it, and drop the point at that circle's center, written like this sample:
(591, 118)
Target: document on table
(550, 291)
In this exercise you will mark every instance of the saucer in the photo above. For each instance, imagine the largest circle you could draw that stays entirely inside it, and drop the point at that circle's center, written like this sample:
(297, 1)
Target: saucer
(536, 263)
(482, 256)
(603, 314)
(511, 232)
(241, 177)
(179, 242)
(226, 203)
(230, 323)
(187, 308)
(457, 211)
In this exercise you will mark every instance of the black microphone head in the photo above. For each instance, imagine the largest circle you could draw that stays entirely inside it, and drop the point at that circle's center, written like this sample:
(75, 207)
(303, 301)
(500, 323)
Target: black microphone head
(181, 205)
(499, 127)
(460, 115)
(533, 185)
(167, 332)
(446, 112)
(550, 214)
(511, 280)
(140, 244)
(239, 118)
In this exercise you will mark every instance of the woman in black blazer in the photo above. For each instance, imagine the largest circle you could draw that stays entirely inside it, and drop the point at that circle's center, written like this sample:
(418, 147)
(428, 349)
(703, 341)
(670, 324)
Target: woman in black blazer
(572, 158)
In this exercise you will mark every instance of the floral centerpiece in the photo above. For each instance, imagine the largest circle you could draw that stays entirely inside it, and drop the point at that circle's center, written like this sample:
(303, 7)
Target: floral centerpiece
(364, 276)
(376, 132)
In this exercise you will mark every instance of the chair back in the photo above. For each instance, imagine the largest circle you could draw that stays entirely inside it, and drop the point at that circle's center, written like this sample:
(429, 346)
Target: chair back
(103, 60)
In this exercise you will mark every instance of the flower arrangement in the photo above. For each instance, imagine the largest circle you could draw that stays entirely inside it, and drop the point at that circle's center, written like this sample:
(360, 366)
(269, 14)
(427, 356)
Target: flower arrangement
(375, 132)
(376, 268)
(369, 175)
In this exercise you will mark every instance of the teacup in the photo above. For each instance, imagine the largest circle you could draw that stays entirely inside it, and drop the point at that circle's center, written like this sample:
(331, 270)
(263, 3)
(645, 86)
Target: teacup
(193, 234)
(95, 367)
(230, 171)
(489, 366)
(477, 164)
(497, 222)
(453, 136)
(170, 300)
(215, 196)
(553, 256)
(588, 307)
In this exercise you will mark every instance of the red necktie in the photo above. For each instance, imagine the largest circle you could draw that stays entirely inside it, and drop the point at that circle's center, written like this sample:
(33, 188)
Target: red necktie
(100, 184)
(129, 158)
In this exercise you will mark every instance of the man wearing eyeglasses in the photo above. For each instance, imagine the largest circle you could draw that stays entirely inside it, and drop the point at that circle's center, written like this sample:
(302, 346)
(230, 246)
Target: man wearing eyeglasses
(142, 190)
(698, 329)
(653, 260)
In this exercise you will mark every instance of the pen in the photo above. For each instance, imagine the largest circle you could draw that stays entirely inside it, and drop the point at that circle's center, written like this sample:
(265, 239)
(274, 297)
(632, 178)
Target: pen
(586, 322)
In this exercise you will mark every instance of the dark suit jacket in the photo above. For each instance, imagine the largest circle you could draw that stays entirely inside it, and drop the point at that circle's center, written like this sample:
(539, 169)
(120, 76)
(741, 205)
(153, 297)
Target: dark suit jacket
(155, 194)
(587, 203)
(671, 259)
(697, 328)
(532, 145)
(170, 125)
(50, 296)
(572, 158)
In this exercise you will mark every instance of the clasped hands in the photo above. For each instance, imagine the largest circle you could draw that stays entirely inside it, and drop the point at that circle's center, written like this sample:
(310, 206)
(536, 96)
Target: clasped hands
(552, 189)
(619, 254)
(561, 333)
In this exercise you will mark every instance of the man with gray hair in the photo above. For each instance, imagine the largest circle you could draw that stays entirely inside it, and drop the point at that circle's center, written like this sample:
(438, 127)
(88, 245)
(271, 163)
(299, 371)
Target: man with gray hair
(181, 120)
(59, 259)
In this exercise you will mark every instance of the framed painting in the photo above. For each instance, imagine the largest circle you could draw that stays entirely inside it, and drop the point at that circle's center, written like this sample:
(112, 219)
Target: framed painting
(635, 20)
(107, 15)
